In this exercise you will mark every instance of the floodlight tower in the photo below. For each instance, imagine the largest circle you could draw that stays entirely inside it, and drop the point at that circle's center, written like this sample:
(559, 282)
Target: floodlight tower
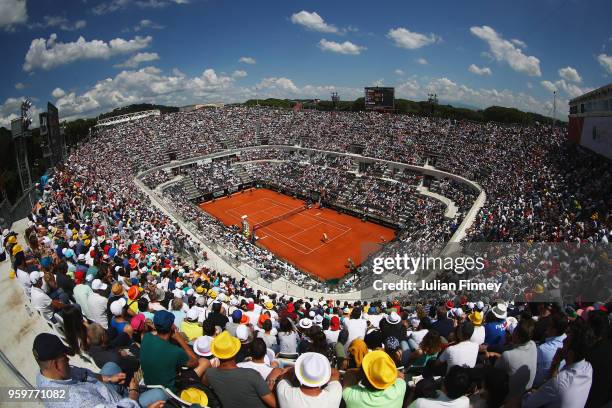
(335, 99)
(20, 131)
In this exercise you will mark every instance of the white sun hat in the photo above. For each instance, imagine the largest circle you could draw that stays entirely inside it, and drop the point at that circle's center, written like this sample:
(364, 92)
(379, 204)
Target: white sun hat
(312, 370)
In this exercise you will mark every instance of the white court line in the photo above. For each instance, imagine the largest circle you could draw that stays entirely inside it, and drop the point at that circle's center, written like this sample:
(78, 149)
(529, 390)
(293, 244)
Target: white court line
(304, 230)
(333, 239)
(335, 224)
(283, 241)
(252, 214)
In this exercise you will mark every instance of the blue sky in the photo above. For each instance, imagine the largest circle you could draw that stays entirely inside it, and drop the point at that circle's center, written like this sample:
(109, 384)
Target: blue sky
(90, 56)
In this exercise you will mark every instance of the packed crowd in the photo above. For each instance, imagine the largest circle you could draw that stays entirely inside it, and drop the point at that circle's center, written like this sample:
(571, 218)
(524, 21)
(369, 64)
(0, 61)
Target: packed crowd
(164, 332)
(123, 286)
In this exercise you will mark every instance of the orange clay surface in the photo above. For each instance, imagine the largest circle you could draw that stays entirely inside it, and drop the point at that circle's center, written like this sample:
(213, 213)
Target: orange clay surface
(298, 239)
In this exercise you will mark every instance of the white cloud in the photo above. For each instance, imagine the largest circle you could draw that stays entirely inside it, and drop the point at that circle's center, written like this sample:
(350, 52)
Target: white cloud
(20, 85)
(405, 38)
(518, 43)
(346, 47)
(313, 21)
(399, 72)
(110, 6)
(422, 61)
(479, 71)
(58, 93)
(145, 85)
(504, 50)
(570, 74)
(137, 59)
(47, 54)
(606, 62)
(60, 22)
(115, 5)
(247, 60)
(178, 72)
(148, 24)
(12, 12)
(239, 73)
(274, 83)
(570, 89)
(550, 87)
(285, 88)
(410, 89)
(450, 91)
(379, 82)
(529, 85)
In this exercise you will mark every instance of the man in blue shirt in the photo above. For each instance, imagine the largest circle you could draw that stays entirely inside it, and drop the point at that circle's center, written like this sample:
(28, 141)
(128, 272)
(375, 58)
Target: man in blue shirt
(555, 334)
(495, 330)
(84, 388)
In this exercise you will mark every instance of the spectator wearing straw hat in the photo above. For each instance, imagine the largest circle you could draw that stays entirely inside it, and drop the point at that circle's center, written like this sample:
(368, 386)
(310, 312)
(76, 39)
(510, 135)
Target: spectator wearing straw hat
(247, 388)
(476, 318)
(312, 383)
(381, 386)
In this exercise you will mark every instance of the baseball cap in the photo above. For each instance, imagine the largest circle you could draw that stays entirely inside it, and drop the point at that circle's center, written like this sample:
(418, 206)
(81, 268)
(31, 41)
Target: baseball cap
(237, 315)
(116, 307)
(97, 284)
(163, 320)
(36, 276)
(48, 346)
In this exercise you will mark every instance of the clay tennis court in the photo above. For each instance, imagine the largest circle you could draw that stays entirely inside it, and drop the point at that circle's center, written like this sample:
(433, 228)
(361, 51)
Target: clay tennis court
(298, 238)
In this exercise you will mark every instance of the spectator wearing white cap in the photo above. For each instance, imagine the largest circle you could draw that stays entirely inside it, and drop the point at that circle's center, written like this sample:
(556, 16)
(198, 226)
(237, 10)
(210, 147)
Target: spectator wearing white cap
(97, 303)
(119, 320)
(190, 326)
(312, 383)
(40, 300)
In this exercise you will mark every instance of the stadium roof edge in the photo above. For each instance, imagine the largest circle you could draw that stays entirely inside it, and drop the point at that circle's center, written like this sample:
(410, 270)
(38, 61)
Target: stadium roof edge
(606, 89)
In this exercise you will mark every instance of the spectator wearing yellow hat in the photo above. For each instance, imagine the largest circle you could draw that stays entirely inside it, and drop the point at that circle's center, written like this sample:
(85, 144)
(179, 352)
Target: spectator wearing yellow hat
(247, 388)
(477, 317)
(381, 385)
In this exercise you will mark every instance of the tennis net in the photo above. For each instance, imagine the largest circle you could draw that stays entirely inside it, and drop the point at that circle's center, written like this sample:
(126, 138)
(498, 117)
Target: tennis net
(279, 217)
